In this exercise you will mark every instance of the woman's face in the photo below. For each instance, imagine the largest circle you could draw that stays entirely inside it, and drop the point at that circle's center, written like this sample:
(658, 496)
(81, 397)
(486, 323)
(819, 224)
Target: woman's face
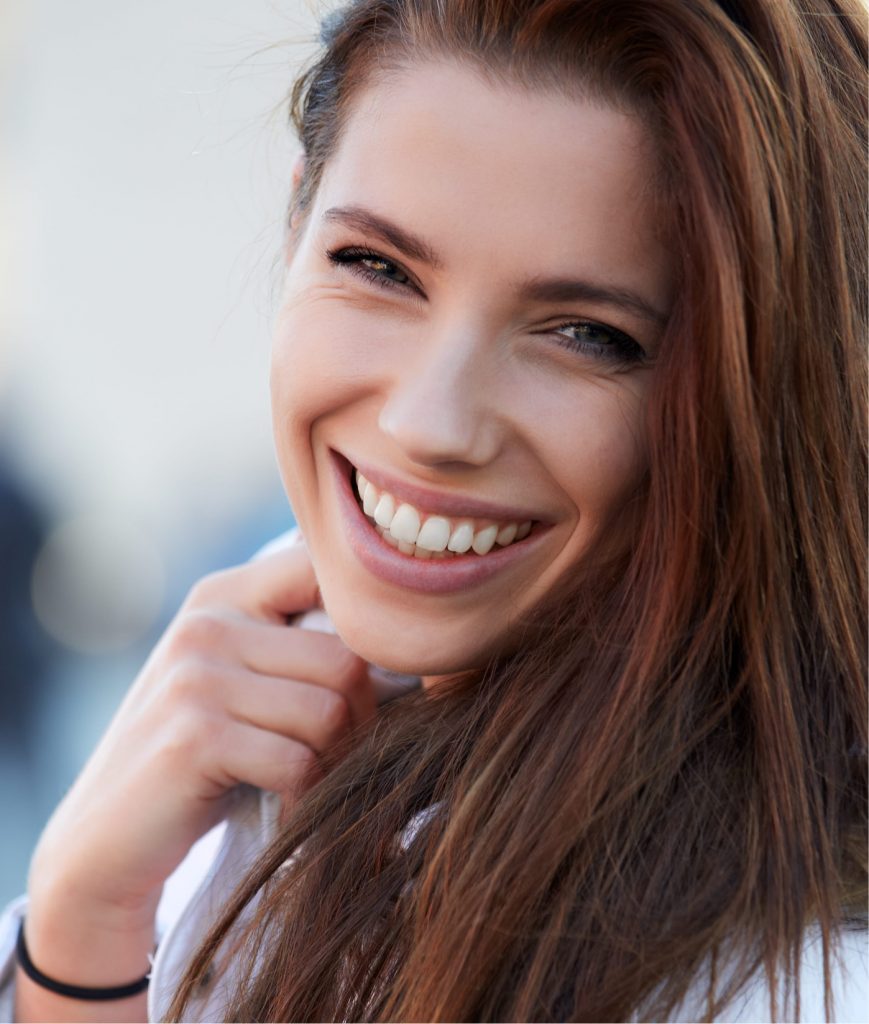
(469, 317)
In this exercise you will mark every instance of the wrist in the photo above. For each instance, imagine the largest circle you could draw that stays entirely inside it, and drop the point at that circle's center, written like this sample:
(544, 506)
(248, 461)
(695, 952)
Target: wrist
(57, 892)
(86, 943)
(72, 990)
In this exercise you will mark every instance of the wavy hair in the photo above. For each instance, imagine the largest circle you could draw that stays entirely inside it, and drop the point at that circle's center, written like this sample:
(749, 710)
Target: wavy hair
(664, 787)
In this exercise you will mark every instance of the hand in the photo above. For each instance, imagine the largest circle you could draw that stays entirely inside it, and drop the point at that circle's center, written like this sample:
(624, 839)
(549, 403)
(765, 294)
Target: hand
(230, 694)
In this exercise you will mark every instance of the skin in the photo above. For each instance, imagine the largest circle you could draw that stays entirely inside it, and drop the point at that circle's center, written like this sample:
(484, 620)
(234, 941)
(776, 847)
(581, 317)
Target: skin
(450, 382)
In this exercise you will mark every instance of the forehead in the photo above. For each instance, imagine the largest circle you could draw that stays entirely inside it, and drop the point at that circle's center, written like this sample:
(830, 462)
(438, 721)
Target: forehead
(493, 170)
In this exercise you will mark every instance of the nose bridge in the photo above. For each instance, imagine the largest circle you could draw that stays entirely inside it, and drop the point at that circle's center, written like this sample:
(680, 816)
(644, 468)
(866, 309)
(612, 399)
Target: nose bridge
(439, 407)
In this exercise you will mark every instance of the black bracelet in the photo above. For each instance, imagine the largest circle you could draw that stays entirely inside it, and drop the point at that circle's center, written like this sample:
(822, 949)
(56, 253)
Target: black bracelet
(73, 991)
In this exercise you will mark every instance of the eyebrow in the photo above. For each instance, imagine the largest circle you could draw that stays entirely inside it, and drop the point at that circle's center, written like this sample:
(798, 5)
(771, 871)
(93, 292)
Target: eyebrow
(532, 289)
(405, 241)
(569, 290)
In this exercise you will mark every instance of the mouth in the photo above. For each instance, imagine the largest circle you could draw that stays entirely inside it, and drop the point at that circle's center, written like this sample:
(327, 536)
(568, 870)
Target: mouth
(413, 545)
(425, 534)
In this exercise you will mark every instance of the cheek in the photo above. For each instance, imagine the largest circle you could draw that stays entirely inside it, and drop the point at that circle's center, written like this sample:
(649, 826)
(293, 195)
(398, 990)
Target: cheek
(287, 414)
(323, 352)
(316, 374)
(602, 451)
(296, 382)
(308, 373)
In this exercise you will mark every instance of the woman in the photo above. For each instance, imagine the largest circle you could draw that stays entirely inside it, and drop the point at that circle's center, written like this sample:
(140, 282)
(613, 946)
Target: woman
(568, 402)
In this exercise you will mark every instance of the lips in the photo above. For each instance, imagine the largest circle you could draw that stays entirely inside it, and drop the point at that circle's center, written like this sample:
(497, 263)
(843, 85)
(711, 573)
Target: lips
(428, 535)
(451, 505)
(459, 573)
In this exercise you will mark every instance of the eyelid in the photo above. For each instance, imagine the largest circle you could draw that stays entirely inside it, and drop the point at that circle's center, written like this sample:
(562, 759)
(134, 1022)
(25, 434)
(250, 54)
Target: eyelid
(623, 344)
(349, 256)
(356, 251)
(590, 321)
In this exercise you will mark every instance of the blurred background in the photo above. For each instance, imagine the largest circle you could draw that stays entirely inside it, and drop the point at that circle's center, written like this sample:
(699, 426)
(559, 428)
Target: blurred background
(144, 171)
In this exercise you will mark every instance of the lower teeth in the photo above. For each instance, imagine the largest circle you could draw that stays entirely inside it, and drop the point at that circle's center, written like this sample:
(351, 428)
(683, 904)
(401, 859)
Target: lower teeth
(410, 549)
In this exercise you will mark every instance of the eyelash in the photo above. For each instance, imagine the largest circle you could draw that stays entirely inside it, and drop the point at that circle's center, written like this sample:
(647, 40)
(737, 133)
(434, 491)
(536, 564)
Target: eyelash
(352, 257)
(622, 350)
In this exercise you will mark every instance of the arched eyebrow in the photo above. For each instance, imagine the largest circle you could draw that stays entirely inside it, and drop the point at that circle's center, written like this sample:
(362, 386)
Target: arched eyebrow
(532, 289)
(406, 242)
(557, 289)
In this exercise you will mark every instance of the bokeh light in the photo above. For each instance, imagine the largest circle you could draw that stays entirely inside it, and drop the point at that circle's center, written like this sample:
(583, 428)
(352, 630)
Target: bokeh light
(98, 584)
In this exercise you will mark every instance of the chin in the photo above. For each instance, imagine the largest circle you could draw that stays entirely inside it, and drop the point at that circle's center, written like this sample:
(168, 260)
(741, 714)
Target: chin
(417, 652)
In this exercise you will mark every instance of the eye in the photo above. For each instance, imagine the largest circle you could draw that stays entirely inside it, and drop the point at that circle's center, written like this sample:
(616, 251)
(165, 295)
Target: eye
(589, 338)
(370, 266)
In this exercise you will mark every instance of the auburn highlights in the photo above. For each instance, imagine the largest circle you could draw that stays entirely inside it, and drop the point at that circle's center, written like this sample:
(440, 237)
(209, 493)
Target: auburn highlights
(663, 788)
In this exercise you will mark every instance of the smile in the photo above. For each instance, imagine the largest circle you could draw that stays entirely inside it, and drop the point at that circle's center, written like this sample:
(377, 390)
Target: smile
(426, 535)
(454, 553)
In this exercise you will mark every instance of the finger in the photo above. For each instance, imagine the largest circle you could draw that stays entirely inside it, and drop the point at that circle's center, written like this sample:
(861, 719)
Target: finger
(265, 759)
(226, 637)
(313, 715)
(271, 587)
(308, 655)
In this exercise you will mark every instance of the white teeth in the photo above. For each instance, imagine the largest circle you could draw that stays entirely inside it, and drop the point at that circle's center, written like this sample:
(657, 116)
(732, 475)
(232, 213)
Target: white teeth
(507, 535)
(385, 511)
(484, 539)
(434, 534)
(461, 538)
(405, 524)
(437, 537)
(370, 497)
(387, 536)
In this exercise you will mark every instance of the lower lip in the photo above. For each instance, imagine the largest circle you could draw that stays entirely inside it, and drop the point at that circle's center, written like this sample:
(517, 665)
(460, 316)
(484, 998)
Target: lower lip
(429, 576)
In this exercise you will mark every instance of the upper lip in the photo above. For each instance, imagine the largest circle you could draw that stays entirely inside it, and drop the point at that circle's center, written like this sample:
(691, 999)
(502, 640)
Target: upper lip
(447, 504)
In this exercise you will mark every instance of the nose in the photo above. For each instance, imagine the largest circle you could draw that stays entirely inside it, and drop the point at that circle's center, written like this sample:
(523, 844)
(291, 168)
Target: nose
(441, 405)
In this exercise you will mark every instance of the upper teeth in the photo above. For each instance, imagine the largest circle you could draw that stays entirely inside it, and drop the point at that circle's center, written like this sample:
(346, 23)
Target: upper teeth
(417, 532)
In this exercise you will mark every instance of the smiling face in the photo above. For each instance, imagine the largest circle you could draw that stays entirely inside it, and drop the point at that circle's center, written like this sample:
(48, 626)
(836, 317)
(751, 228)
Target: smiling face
(470, 317)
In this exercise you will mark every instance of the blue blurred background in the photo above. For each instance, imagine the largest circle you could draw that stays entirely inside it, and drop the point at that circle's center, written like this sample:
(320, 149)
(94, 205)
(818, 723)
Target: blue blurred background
(144, 162)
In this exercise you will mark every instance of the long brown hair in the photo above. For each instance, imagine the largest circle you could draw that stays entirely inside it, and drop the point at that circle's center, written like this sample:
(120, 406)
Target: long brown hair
(665, 785)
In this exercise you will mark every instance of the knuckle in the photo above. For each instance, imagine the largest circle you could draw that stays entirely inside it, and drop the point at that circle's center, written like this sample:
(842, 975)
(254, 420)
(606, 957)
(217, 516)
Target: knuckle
(198, 630)
(303, 757)
(211, 586)
(334, 715)
(301, 762)
(203, 588)
(351, 671)
(189, 738)
(189, 681)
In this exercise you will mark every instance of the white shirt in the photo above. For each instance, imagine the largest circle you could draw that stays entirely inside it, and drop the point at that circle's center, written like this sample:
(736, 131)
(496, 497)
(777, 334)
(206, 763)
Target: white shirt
(195, 894)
